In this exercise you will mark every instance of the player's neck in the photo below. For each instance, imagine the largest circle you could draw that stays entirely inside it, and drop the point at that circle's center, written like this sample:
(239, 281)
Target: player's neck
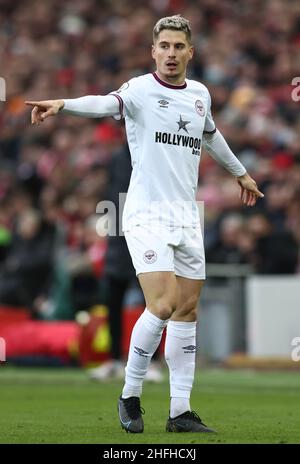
(176, 80)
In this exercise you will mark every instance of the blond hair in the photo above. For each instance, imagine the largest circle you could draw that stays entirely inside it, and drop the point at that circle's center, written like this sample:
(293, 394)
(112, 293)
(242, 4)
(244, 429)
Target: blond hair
(174, 23)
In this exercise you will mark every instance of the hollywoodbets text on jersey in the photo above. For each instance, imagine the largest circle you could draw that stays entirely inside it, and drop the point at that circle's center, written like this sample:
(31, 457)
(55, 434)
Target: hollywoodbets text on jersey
(176, 139)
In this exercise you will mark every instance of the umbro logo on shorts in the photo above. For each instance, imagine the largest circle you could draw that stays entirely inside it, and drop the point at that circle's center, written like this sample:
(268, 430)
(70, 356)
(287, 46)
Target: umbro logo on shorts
(163, 103)
(141, 352)
(150, 257)
(189, 348)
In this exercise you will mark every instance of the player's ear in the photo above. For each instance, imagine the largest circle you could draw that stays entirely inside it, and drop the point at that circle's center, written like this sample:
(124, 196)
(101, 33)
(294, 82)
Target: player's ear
(153, 51)
(192, 51)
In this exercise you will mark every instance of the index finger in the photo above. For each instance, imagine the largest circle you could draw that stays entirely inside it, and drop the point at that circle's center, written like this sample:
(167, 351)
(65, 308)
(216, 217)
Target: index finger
(35, 103)
(258, 193)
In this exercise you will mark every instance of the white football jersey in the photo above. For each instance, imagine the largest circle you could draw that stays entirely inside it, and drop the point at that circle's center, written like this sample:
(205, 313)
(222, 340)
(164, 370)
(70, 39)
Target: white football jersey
(164, 125)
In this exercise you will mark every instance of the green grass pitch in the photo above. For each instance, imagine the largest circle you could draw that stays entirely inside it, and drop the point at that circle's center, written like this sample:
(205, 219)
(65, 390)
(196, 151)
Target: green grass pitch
(64, 406)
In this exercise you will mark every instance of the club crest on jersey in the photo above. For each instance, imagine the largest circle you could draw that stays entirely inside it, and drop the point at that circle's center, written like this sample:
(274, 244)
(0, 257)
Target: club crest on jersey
(200, 107)
(150, 256)
(163, 103)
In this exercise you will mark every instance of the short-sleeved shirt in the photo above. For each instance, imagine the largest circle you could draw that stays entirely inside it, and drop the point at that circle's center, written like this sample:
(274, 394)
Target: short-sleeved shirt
(164, 126)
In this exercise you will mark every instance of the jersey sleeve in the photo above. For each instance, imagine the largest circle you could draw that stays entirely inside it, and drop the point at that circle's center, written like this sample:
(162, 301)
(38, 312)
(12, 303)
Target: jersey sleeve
(130, 97)
(91, 106)
(209, 126)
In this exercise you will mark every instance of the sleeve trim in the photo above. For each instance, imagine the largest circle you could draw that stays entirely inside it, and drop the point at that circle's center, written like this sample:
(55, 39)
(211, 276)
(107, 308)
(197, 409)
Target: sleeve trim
(121, 104)
(210, 132)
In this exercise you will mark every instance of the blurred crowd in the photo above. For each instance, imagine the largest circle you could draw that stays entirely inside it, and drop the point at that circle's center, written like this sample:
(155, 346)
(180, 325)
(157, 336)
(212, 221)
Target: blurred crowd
(52, 176)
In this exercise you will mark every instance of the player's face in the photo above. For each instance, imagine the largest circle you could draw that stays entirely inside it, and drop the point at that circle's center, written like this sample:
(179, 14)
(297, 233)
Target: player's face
(172, 52)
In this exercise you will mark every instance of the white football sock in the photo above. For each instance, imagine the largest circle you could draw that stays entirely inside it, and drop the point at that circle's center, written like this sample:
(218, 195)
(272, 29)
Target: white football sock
(145, 338)
(180, 354)
(179, 406)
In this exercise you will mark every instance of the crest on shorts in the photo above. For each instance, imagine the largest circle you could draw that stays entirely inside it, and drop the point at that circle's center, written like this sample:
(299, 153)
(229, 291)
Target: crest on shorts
(199, 107)
(150, 256)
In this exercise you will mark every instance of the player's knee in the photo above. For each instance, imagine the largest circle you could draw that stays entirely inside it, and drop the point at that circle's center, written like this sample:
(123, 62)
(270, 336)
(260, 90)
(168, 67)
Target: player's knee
(162, 309)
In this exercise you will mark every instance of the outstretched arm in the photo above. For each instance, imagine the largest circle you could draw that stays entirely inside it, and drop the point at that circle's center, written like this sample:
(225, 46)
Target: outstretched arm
(91, 106)
(218, 148)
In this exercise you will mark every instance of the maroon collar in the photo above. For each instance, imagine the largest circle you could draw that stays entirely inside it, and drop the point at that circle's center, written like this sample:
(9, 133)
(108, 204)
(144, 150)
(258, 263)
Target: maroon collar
(170, 86)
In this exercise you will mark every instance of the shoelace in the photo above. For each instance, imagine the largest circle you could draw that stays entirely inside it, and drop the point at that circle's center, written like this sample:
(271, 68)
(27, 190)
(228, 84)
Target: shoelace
(133, 407)
(196, 418)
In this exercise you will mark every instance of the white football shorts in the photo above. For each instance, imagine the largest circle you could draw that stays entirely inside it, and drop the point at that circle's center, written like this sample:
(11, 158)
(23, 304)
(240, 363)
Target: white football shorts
(162, 248)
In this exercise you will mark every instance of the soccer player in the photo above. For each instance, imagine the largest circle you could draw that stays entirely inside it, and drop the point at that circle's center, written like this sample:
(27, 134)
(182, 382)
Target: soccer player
(168, 118)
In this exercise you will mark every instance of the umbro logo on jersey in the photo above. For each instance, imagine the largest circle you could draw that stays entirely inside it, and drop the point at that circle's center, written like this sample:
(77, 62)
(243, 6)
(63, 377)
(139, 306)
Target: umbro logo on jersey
(189, 349)
(163, 103)
(141, 352)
